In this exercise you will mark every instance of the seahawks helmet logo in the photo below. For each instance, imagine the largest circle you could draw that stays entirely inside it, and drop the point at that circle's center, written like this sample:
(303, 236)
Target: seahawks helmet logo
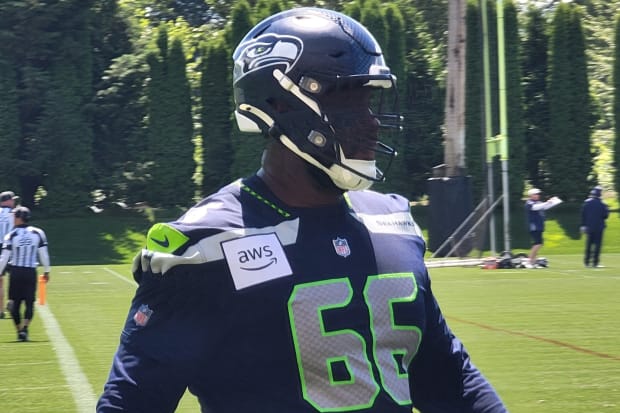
(268, 50)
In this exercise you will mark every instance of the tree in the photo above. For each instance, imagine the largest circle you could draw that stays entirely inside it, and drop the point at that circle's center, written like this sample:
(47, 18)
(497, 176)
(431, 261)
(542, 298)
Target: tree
(170, 126)
(63, 147)
(110, 34)
(266, 8)
(120, 132)
(248, 147)
(422, 103)
(372, 18)
(395, 52)
(570, 159)
(474, 103)
(240, 22)
(536, 101)
(216, 106)
(9, 125)
(514, 103)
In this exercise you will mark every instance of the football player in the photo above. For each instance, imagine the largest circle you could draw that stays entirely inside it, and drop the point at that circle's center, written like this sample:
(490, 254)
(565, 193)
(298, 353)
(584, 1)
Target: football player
(297, 289)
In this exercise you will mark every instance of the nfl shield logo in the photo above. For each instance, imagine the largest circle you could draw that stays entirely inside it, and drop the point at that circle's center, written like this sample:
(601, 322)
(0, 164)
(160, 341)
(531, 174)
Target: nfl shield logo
(142, 315)
(342, 247)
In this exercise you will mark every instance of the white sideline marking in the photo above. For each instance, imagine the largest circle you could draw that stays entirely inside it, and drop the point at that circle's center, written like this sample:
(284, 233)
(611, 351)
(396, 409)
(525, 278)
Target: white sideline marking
(117, 275)
(82, 392)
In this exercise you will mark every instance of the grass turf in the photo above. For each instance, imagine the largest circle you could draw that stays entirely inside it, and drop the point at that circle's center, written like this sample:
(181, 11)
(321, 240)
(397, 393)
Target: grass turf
(546, 338)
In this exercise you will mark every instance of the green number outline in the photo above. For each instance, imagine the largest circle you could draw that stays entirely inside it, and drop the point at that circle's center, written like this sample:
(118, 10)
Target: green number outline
(403, 352)
(324, 333)
(390, 306)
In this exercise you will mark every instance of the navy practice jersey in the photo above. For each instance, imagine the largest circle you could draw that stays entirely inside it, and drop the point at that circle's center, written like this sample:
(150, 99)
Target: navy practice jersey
(258, 307)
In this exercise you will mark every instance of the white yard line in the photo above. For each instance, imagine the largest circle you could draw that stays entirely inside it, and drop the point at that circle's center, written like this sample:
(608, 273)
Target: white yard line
(117, 275)
(82, 391)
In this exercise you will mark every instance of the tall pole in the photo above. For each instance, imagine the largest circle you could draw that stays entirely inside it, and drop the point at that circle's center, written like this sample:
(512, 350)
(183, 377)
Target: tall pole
(454, 152)
(491, 150)
(503, 123)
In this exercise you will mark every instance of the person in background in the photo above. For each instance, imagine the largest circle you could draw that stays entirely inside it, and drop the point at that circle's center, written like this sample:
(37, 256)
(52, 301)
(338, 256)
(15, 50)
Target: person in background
(594, 213)
(24, 247)
(7, 203)
(535, 209)
(296, 289)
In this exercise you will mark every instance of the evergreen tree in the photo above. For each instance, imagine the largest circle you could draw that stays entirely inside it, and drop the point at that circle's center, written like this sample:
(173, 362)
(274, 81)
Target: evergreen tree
(353, 9)
(394, 51)
(9, 125)
(247, 147)
(536, 103)
(422, 105)
(476, 111)
(475, 153)
(570, 160)
(434, 13)
(170, 148)
(120, 132)
(372, 18)
(266, 8)
(240, 22)
(65, 127)
(216, 106)
(616, 106)
(111, 37)
(63, 146)
(514, 104)
(44, 43)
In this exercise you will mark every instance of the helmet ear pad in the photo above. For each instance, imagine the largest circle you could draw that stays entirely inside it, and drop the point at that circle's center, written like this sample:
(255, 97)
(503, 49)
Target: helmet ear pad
(308, 130)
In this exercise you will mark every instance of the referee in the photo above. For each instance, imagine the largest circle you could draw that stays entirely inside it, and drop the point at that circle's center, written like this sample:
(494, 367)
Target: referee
(21, 248)
(7, 203)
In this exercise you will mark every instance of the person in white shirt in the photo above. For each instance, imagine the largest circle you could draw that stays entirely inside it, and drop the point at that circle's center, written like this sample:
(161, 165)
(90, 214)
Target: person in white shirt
(535, 209)
(24, 248)
(7, 203)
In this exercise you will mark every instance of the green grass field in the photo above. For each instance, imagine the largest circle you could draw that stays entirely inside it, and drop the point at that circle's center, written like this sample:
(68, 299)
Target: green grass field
(546, 338)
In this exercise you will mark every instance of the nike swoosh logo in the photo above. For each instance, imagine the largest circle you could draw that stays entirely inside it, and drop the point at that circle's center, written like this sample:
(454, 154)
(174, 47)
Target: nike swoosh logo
(271, 261)
(164, 243)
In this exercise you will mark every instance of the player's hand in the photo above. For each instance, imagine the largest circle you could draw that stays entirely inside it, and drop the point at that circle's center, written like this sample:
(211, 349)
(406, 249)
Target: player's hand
(583, 229)
(46, 277)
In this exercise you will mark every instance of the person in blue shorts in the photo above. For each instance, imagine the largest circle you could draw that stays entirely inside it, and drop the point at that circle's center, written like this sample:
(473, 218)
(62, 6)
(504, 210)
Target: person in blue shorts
(297, 289)
(535, 209)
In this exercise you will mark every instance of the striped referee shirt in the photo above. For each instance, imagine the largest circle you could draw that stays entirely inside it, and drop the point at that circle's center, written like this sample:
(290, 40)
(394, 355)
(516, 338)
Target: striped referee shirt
(25, 246)
(6, 221)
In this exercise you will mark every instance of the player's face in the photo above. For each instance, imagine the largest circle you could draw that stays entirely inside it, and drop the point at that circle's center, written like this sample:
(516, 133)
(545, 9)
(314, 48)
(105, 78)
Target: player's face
(351, 115)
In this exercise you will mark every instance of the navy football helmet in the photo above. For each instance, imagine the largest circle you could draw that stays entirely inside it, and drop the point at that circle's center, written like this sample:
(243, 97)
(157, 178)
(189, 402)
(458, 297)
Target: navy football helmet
(307, 77)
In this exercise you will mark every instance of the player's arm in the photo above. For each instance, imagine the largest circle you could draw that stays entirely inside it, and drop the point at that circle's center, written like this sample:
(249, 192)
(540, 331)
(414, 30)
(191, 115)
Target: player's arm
(44, 259)
(443, 378)
(150, 371)
(139, 383)
(550, 203)
(4, 259)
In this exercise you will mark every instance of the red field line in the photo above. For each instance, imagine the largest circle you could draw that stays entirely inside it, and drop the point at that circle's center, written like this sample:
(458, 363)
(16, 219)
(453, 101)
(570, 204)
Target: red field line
(539, 338)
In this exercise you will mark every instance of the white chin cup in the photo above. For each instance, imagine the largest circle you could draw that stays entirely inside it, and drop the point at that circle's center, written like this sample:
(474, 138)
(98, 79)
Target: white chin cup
(341, 177)
(347, 180)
